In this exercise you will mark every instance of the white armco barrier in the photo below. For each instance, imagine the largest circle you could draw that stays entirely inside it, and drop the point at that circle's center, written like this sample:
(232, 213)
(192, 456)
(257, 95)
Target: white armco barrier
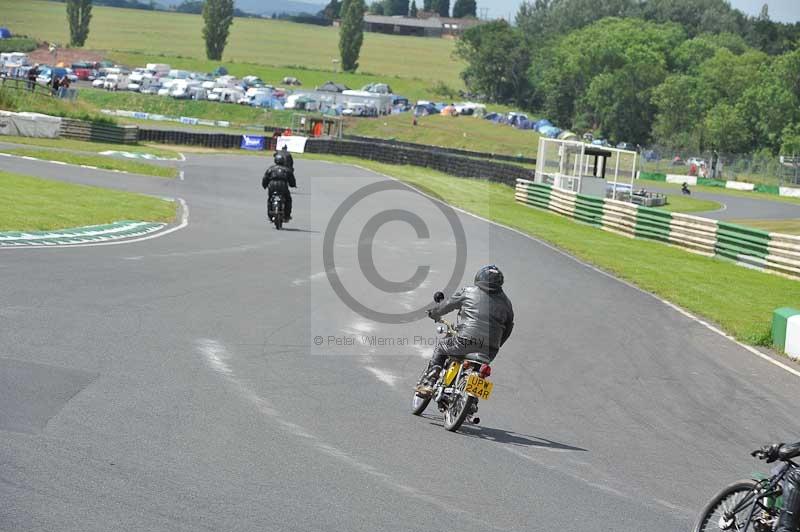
(681, 179)
(789, 191)
(738, 185)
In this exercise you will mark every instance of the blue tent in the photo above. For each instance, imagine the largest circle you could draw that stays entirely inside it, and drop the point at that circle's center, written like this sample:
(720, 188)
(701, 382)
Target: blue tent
(5, 33)
(550, 131)
(539, 124)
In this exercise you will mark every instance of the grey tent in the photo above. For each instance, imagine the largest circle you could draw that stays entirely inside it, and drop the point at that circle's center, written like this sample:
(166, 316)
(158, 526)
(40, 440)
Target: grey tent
(330, 86)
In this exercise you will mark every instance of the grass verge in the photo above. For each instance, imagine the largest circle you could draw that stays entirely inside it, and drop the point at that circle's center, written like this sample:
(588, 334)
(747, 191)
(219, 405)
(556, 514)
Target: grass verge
(96, 147)
(100, 161)
(34, 204)
(688, 204)
(786, 227)
(739, 300)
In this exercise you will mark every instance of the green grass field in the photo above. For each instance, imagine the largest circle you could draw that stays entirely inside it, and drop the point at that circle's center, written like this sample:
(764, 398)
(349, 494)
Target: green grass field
(100, 161)
(463, 132)
(33, 204)
(84, 146)
(740, 300)
(263, 42)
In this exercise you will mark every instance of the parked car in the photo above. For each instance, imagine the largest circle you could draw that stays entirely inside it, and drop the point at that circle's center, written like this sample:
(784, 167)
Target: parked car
(697, 161)
(99, 82)
(288, 80)
(46, 75)
(85, 71)
(626, 146)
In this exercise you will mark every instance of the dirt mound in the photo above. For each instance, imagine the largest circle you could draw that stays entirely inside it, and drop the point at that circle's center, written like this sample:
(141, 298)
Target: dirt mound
(68, 56)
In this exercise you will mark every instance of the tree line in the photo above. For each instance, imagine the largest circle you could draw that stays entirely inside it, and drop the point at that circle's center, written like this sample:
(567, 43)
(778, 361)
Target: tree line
(460, 8)
(689, 74)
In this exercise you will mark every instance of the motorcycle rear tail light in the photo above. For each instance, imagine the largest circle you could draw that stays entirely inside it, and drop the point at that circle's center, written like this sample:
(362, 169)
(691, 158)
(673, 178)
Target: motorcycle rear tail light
(485, 370)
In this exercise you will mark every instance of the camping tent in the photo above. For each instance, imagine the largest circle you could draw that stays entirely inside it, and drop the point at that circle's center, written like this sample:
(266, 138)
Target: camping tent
(5, 33)
(330, 86)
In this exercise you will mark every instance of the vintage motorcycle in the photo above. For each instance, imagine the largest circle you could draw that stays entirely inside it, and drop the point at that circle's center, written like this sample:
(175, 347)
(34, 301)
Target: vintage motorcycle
(747, 505)
(458, 387)
(275, 210)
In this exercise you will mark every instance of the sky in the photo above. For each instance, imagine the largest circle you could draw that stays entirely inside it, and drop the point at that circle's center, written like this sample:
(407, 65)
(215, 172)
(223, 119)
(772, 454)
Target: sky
(779, 10)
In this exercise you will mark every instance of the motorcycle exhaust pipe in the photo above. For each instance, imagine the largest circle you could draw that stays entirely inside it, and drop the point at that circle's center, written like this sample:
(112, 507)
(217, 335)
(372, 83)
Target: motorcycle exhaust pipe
(476, 420)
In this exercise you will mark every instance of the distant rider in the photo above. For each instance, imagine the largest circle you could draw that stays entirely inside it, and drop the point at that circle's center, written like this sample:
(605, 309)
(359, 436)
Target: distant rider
(789, 520)
(487, 319)
(288, 156)
(278, 179)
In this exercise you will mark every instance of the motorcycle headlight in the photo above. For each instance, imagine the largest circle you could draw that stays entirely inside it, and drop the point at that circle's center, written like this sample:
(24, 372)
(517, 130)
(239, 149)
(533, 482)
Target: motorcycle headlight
(441, 329)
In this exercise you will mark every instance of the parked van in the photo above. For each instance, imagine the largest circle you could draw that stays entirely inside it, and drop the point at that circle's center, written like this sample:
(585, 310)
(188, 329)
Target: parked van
(116, 82)
(159, 69)
(14, 58)
(179, 74)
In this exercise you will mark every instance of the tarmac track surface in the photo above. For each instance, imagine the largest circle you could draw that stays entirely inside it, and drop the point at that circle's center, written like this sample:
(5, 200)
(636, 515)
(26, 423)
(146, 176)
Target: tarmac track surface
(175, 384)
(738, 207)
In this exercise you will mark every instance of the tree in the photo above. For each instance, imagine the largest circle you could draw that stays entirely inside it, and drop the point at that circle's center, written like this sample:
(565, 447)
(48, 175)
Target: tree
(396, 7)
(332, 11)
(413, 12)
(497, 61)
(680, 107)
(441, 7)
(351, 33)
(377, 8)
(726, 129)
(79, 13)
(218, 17)
(465, 8)
(427, 5)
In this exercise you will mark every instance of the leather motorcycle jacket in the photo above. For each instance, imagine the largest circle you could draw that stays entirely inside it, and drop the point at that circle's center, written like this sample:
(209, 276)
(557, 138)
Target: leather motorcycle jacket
(485, 312)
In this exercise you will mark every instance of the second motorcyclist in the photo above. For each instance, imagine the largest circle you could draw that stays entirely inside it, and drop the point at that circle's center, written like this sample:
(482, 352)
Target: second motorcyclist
(278, 179)
(487, 319)
(789, 520)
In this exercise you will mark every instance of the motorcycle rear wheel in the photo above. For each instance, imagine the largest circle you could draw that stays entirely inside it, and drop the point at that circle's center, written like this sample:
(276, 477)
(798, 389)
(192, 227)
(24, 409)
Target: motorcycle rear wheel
(712, 518)
(460, 408)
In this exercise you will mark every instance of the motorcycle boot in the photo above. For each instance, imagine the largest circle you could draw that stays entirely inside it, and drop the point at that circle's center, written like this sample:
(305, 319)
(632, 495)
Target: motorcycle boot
(425, 387)
(789, 520)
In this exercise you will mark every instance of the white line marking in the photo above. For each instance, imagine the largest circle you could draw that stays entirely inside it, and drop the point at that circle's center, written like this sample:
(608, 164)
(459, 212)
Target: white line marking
(180, 175)
(183, 224)
(217, 356)
(685, 313)
(383, 376)
(181, 157)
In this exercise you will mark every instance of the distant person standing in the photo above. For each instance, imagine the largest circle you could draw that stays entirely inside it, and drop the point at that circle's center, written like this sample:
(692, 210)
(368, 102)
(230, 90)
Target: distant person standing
(55, 83)
(63, 85)
(33, 73)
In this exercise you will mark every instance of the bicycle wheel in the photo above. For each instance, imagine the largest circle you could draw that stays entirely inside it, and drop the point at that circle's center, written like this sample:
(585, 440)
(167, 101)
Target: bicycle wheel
(718, 514)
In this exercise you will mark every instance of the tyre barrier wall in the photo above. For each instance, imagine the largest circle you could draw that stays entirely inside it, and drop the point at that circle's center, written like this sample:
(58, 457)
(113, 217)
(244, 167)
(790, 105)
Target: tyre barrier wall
(191, 138)
(442, 149)
(772, 252)
(98, 132)
(450, 164)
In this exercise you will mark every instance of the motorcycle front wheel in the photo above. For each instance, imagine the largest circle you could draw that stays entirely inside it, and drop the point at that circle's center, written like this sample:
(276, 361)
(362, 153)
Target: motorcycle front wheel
(718, 514)
(460, 408)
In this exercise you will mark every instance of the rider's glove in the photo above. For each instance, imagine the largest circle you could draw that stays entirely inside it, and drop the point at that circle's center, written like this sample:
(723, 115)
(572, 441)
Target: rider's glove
(770, 453)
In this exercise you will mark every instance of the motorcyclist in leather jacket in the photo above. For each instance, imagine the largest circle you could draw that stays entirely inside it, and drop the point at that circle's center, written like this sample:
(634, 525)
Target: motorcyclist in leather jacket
(487, 319)
(789, 520)
(278, 179)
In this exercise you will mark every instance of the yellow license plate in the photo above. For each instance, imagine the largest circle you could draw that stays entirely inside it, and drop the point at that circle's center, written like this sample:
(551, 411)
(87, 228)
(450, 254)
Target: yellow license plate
(478, 387)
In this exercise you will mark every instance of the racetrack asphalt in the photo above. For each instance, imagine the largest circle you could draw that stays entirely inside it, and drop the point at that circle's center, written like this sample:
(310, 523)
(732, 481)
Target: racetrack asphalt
(176, 384)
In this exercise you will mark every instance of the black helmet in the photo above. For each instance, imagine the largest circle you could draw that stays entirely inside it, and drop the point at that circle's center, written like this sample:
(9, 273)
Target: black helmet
(489, 279)
(280, 159)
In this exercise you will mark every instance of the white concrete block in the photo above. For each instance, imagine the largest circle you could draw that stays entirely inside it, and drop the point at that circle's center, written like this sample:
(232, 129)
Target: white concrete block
(738, 185)
(793, 337)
